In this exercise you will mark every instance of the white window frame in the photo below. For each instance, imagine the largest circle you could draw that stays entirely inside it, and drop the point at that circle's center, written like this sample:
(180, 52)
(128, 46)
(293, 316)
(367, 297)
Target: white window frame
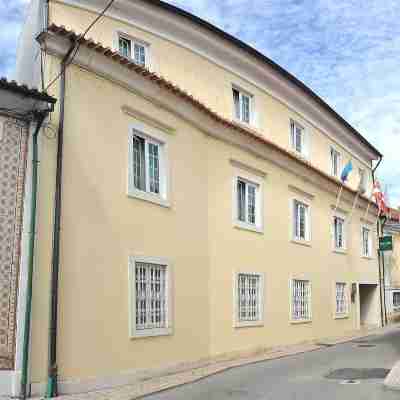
(133, 41)
(294, 236)
(237, 323)
(395, 308)
(305, 146)
(334, 173)
(138, 333)
(370, 240)
(291, 286)
(243, 93)
(258, 183)
(363, 172)
(335, 248)
(345, 313)
(154, 136)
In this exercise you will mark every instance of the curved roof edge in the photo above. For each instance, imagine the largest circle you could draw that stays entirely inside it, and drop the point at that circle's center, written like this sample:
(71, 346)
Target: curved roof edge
(272, 64)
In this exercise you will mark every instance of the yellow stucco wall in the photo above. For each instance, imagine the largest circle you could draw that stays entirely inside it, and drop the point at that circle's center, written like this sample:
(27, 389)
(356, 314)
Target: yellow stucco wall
(102, 226)
(209, 83)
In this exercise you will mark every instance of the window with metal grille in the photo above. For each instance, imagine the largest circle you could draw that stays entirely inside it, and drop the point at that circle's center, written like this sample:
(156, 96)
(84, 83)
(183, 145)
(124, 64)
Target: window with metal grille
(249, 293)
(151, 296)
(146, 164)
(335, 162)
(139, 53)
(338, 232)
(366, 242)
(396, 301)
(242, 106)
(301, 300)
(247, 203)
(341, 298)
(297, 138)
(301, 221)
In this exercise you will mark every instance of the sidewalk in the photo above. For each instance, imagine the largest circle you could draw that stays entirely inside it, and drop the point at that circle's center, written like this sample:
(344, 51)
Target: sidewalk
(223, 363)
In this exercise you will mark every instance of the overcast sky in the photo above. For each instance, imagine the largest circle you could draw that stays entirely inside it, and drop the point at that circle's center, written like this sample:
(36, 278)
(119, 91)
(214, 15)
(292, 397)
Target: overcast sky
(347, 51)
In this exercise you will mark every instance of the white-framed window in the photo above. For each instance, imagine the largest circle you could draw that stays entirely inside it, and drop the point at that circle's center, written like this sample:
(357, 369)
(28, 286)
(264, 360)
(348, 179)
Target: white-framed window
(396, 300)
(341, 299)
(339, 233)
(249, 299)
(150, 296)
(335, 162)
(247, 198)
(301, 221)
(366, 242)
(298, 138)
(148, 164)
(362, 185)
(242, 105)
(134, 50)
(300, 309)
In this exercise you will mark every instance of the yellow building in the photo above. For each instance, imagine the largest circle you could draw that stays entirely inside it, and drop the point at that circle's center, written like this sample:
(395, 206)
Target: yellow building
(197, 200)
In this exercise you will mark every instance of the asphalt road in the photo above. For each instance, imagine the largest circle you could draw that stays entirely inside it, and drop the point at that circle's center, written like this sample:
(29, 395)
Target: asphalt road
(302, 376)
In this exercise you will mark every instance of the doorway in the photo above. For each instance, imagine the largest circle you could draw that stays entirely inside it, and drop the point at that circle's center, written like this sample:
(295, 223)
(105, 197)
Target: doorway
(369, 305)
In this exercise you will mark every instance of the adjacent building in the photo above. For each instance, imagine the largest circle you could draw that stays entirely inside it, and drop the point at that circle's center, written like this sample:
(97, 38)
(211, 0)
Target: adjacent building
(22, 111)
(197, 213)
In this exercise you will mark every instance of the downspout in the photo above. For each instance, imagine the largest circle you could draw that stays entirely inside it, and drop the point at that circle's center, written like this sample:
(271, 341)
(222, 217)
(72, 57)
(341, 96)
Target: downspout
(51, 390)
(31, 251)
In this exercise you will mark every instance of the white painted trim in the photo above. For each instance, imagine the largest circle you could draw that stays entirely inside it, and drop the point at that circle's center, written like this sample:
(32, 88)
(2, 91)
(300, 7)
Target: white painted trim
(330, 166)
(306, 140)
(256, 180)
(150, 133)
(168, 330)
(338, 214)
(187, 35)
(244, 324)
(371, 242)
(292, 236)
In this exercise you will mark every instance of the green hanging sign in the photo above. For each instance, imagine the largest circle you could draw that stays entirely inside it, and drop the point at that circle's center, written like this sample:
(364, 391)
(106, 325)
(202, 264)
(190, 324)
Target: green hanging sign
(385, 243)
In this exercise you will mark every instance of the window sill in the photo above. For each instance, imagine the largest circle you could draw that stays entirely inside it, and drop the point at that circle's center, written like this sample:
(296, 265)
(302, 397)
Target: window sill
(367, 257)
(300, 321)
(341, 316)
(137, 194)
(247, 227)
(340, 251)
(143, 333)
(248, 324)
(301, 242)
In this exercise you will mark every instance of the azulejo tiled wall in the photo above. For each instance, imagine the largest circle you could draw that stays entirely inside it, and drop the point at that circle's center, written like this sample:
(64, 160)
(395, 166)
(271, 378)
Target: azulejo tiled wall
(13, 146)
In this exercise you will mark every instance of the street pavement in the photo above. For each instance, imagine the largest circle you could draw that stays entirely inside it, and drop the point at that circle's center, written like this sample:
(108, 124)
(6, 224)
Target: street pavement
(303, 376)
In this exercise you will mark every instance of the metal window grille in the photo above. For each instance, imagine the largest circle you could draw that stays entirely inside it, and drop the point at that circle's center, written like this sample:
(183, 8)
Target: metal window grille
(338, 227)
(124, 47)
(301, 300)
(249, 297)
(341, 299)
(140, 54)
(300, 218)
(396, 300)
(151, 296)
(139, 172)
(366, 242)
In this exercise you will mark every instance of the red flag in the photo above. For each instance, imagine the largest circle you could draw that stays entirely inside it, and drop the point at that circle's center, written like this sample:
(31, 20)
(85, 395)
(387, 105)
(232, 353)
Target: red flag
(379, 198)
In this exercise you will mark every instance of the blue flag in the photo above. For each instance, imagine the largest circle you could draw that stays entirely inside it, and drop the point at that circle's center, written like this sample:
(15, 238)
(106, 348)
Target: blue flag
(346, 171)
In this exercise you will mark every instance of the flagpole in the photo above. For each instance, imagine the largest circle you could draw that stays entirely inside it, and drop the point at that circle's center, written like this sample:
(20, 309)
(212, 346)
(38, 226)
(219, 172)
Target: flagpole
(338, 197)
(366, 211)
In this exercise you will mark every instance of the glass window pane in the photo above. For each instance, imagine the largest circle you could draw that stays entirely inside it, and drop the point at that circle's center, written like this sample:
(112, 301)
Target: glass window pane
(140, 54)
(236, 103)
(245, 108)
(154, 168)
(125, 47)
(251, 204)
(241, 194)
(139, 173)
